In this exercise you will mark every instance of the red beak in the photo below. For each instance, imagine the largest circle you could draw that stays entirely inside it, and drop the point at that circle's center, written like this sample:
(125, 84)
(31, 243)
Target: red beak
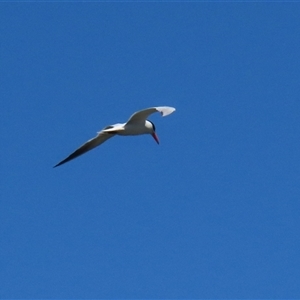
(155, 137)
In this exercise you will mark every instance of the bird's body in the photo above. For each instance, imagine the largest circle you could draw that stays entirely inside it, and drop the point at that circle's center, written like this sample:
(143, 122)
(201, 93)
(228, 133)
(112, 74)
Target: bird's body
(144, 127)
(136, 125)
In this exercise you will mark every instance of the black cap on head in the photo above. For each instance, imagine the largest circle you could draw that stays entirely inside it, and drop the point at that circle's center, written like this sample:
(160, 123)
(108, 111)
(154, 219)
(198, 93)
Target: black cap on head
(152, 125)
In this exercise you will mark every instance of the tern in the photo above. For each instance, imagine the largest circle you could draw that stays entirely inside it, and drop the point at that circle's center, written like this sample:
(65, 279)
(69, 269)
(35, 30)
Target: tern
(136, 125)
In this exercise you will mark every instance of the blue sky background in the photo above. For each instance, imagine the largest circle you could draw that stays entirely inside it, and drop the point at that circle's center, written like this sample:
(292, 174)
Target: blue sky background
(212, 212)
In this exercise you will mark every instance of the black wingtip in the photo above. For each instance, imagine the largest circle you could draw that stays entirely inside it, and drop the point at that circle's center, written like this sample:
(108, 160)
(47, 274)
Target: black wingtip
(64, 161)
(60, 163)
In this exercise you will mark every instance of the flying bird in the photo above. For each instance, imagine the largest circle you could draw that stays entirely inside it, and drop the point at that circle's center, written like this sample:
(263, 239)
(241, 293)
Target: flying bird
(136, 125)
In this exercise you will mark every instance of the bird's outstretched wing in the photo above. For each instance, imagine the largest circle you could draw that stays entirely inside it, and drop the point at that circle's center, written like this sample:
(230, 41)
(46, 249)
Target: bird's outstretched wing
(143, 114)
(89, 145)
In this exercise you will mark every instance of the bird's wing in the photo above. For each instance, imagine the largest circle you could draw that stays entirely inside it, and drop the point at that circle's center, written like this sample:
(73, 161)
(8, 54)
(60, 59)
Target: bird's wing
(143, 114)
(89, 145)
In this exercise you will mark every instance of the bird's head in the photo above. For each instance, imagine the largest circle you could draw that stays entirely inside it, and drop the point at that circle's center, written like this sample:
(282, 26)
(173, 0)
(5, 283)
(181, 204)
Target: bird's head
(153, 132)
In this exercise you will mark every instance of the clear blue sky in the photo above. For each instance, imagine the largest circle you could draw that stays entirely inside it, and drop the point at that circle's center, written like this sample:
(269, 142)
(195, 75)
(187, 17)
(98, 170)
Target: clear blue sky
(212, 212)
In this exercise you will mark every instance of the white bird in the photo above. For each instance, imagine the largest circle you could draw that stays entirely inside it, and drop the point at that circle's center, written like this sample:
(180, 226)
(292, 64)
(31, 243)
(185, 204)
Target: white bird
(137, 124)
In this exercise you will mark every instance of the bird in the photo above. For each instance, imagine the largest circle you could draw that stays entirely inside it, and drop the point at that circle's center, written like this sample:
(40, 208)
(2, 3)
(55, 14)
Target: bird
(137, 124)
